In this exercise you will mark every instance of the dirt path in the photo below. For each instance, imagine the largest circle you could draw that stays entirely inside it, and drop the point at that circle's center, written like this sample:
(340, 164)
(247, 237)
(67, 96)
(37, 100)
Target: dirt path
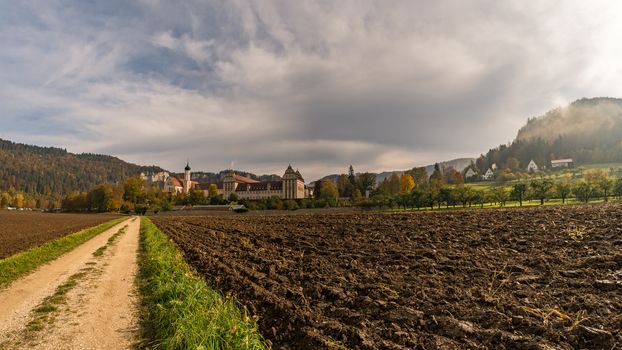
(79, 301)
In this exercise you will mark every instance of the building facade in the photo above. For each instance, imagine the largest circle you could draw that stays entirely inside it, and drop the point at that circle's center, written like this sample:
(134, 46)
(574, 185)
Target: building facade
(561, 163)
(291, 186)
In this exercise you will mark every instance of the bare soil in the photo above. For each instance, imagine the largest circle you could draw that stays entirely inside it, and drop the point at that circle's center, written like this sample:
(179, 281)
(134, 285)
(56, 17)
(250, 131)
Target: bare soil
(533, 278)
(23, 230)
(99, 312)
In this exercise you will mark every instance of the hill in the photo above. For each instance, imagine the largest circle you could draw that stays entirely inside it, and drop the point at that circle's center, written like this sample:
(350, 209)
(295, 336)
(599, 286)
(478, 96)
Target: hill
(588, 131)
(204, 176)
(458, 164)
(53, 171)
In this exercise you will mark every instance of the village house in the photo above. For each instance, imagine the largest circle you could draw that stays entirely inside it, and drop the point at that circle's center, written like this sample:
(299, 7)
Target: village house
(532, 166)
(469, 173)
(561, 163)
(489, 174)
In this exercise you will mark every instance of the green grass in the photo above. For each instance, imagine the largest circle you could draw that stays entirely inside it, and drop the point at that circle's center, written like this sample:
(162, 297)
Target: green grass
(100, 251)
(179, 310)
(22, 263)
(44, 312)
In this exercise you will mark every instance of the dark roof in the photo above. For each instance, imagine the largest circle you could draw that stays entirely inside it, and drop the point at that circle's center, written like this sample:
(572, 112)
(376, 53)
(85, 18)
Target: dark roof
(187, 168)
(205, 185)
(260, 186)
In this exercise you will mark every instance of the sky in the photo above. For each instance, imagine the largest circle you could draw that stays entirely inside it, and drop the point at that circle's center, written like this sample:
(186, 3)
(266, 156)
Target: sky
(257, 85)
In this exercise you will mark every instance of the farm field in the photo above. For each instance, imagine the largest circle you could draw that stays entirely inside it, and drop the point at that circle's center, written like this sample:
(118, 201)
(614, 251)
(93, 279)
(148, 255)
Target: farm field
(20, 231)
(528, 278)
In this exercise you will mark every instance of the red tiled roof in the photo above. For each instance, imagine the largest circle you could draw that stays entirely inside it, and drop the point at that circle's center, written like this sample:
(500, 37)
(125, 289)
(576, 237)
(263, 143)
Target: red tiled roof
(175, 181)
(244, 179)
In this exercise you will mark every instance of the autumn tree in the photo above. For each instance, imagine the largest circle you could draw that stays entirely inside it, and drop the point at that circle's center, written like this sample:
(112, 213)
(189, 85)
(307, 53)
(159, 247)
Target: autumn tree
(134, 190)
(408, 183)
(5, 200)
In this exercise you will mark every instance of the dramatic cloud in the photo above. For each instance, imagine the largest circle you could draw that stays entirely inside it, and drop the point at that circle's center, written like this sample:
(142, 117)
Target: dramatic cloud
(319, 84)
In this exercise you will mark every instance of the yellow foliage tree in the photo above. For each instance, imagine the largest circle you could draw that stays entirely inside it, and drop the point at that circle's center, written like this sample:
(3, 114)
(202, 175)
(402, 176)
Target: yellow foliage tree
(19, 200)
(408, 183)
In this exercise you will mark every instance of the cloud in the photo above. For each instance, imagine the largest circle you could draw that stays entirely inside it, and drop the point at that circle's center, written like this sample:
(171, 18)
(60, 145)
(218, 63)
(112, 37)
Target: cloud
(319, 84)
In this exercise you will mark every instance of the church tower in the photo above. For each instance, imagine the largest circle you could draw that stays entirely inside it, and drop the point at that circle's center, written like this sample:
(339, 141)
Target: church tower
(187, 177)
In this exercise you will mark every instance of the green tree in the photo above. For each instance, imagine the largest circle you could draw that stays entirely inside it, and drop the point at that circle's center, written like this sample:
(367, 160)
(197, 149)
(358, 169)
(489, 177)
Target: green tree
(599, 179)
(196, 197)
(420, 176)
(563, 189)
(212, 191)
(437, 174)
(329, 192)
(500, 195)
(233, 197)
(134, 190)
(584, 191)
(518, 191)
(541, 188)
(617, 188)
(351, 176)
(446, 195)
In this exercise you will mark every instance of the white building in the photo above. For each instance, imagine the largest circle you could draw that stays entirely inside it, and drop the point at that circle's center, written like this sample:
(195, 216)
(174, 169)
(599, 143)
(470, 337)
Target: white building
(291, 186)
(489, 174)
(493, 166)
(561, 163)
(532, 166)
(469, 173)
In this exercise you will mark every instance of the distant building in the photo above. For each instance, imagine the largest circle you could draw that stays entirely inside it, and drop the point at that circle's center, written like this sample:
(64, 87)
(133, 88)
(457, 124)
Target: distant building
(493, 166)
(489, 174)
(532, 166)
(291, 186)
(469, 173)
(561, 163)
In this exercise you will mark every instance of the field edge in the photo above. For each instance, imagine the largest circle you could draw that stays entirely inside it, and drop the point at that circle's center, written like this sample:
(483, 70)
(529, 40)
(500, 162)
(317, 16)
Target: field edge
(178, 309)
(20, 264)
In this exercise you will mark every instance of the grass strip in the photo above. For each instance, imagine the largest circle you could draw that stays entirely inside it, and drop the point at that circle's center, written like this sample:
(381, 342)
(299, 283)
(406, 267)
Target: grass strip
(179, 310)
(44, 312)
(22, 263)
(100, 251)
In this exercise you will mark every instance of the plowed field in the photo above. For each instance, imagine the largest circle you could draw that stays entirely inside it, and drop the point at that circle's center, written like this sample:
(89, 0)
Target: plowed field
(537, 278)
(23, 230)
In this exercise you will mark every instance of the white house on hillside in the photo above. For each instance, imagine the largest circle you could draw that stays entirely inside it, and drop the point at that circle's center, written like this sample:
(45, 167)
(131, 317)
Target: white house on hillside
(532, 166)
(489, 174)
(469, 173)
(561, 163)
(493, 166)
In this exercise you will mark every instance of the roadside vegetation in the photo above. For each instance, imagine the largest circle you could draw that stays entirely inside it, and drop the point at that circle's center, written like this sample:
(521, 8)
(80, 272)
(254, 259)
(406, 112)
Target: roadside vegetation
(179, 310)
(20, 264)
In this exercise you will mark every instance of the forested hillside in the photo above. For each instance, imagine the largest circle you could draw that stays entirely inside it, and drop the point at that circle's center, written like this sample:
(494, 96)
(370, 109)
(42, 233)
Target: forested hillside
(588, 131)
(53, 171)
